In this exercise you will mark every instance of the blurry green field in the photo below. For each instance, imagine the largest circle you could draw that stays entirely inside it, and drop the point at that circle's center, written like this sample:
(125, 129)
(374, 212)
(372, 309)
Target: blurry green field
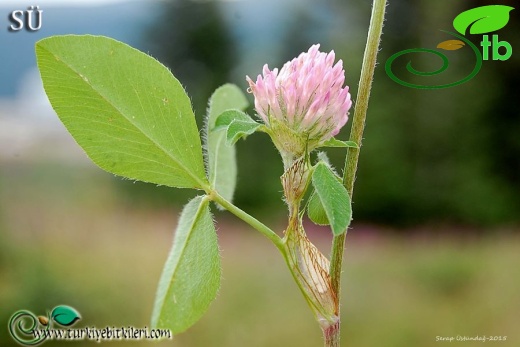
(67, 238)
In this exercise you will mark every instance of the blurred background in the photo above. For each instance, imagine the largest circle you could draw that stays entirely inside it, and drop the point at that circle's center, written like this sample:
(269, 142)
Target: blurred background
(434, 249)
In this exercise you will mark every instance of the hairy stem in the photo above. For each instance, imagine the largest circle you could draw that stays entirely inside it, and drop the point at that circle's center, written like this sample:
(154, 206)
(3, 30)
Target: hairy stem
(356, 135)
(255, 223)
(331, 335)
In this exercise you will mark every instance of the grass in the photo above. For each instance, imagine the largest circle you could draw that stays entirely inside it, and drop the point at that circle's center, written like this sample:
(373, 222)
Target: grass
(67, 238)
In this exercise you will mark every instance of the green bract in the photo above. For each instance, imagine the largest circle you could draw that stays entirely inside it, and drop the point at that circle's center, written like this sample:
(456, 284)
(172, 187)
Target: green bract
(334, 142)
(315, 210)
(334, 199)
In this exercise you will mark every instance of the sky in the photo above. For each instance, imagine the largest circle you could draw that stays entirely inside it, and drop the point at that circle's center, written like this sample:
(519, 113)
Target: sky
(22, 4)
(27, 121)
(26, 117)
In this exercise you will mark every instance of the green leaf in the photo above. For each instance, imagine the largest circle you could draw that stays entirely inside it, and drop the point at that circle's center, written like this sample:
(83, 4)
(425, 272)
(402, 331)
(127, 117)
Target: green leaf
(228, 116)
(239, 129)
(65, 315)
(333, 196)
(483, 19)
(333, 142)
(125, 109)
(221, 158)
(315, 210)
(238, 125)
(191, 275)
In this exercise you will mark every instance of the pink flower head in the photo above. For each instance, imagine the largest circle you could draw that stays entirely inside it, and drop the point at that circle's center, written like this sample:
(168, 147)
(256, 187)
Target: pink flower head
(306, 95)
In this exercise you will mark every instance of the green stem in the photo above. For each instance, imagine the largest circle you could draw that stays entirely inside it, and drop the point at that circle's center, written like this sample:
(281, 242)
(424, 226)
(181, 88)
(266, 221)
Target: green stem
(356, 133)
(255, 223)
(280, 243)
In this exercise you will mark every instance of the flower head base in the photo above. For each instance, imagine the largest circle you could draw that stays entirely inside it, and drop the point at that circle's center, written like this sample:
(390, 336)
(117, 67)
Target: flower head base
(303, 104)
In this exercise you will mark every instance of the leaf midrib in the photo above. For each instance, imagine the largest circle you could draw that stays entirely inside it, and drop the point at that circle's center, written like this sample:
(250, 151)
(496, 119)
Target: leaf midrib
(202, 202)
(201, 183)
(221, 135)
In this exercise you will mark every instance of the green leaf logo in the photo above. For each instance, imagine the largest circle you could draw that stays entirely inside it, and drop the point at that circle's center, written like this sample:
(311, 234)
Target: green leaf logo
(65, 315)
(482, 20)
